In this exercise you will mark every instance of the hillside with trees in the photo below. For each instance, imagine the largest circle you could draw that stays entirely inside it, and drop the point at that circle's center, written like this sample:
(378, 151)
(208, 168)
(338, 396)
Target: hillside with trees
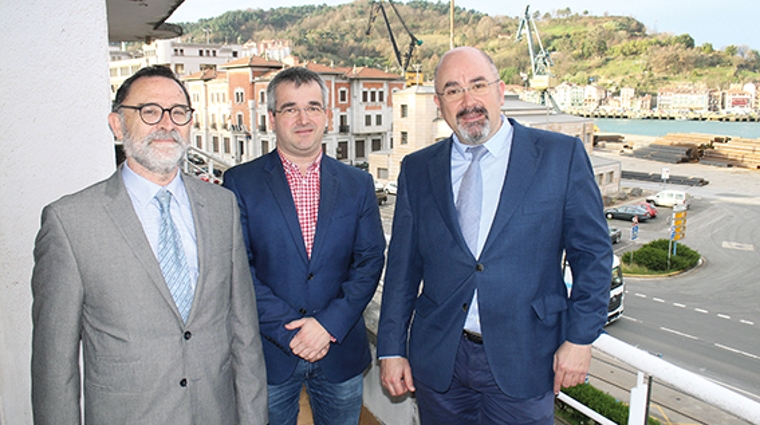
(612, 51)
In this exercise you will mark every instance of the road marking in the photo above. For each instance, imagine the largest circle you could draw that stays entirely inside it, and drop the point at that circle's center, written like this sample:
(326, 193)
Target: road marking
(738, 246)
(630, 318)
(723, 316)
(701, 310)
(679, 305)
(641, 295)
(679, 333)
(734, 350)
(659, 300)
(747, 322)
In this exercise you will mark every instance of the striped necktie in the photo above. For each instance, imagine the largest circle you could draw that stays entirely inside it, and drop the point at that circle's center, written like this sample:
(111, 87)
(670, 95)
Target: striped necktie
(171, 258)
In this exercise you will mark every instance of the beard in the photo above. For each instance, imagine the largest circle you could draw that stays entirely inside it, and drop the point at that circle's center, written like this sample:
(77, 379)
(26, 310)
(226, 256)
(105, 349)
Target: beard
(161, 161)
(473, 133)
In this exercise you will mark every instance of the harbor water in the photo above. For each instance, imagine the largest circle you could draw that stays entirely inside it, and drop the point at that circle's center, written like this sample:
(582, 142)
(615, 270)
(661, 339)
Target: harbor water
(750, 130)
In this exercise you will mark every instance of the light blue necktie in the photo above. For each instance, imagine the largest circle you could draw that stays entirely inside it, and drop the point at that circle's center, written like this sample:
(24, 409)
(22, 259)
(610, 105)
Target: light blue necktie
(171, 258)
(469, 204)
(470, 199)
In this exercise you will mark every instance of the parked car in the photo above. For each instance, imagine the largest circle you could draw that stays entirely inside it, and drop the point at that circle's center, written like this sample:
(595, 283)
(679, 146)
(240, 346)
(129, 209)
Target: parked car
(382, 197)
(378, 186)
(649, 207)
(627, 212)
(615, 234)
(391, 188)
(670, 198)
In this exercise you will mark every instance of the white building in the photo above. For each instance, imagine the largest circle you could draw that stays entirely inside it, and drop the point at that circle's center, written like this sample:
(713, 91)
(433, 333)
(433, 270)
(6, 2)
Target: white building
(183, 58)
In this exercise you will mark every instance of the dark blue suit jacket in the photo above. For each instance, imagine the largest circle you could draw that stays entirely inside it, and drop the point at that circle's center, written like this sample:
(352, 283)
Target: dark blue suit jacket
(335, 285)
(550, 203)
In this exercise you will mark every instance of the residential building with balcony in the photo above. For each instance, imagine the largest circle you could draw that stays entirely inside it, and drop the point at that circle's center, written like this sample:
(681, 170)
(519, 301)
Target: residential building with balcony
(684, 98)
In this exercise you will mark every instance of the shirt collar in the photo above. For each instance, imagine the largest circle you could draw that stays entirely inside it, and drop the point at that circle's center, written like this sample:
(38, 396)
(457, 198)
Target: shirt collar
(144, 190)
(495, 145)
(291, 167)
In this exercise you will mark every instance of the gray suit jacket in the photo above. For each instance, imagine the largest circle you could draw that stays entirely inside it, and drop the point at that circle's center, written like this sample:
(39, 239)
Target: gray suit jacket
(97, 281)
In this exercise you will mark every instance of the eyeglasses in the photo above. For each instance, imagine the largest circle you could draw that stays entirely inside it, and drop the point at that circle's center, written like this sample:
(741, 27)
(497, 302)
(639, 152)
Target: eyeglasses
(152, 113)
(311, 111)
(455, 93)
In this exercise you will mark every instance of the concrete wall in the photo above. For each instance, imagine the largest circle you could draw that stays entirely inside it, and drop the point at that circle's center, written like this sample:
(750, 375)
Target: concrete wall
(54, 140)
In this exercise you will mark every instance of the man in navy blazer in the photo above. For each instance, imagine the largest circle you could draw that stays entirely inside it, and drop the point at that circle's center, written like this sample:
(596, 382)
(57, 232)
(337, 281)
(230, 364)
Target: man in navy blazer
(494, 334)
(316, 250)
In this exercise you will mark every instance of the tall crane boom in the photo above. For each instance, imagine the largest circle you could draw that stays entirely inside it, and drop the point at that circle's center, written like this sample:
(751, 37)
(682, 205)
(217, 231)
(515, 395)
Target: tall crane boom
(541, 61)
(413, 43)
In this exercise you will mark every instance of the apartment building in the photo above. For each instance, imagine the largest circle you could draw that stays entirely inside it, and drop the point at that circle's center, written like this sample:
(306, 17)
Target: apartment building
(684, 98)
(236, 128)
(183, 58)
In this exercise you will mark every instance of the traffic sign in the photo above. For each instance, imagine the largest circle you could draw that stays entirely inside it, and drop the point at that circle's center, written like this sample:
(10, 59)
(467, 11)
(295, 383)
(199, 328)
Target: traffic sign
(634, 232)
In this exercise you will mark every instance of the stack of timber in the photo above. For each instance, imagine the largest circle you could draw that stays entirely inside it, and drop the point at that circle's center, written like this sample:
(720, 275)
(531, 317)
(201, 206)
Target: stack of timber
(734, 152)
(671, 148)
(708, 149)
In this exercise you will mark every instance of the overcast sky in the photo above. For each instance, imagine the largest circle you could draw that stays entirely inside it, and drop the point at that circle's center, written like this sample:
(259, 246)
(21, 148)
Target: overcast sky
(718, 22)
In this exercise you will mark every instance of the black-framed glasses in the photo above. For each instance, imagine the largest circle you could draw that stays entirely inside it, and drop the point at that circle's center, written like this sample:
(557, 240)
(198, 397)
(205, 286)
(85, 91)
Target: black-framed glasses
(152, 113)
(455, 93)
(311, 111)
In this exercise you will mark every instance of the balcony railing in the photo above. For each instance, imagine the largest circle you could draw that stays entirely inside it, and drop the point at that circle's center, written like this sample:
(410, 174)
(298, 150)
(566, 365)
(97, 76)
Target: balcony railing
(344, 129)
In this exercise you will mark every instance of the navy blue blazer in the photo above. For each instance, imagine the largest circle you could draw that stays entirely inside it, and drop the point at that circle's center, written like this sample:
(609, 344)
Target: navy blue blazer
(335, 285)
(549, 203)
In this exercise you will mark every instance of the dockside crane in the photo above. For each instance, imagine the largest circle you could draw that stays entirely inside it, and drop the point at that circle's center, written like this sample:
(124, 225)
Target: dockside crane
(541, 61)
(414, 42)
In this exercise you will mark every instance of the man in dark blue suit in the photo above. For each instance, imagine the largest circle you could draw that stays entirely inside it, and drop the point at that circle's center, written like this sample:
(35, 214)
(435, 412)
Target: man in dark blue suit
(494, 334)
(316, 250)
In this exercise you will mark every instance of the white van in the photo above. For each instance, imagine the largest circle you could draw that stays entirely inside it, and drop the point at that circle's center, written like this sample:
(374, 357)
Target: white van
(617, 289)
(670, 198)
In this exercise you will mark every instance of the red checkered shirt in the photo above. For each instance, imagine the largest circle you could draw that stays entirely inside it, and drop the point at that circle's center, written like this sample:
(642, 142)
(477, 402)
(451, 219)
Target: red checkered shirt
(305, 191)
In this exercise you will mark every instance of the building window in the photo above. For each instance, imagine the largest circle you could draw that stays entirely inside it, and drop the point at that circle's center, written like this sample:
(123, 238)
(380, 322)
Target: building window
(342, 150)
(377, 144)
(262, 96)
(263, 123)
(382, 173)
(372, 96)
(226, 145)
(404, 137)
(404, 111)
(360, 149)
(378, 119)
(381, 96)
(364, 96)
(199, 142)
(215, 144)
(239, 95)
(343, 96)
(200, 52)
(239, 118)
(368, 120)
(264, 147)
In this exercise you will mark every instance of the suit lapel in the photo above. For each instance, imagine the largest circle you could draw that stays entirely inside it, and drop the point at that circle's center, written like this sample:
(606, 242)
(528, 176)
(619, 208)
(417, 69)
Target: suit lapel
(203, 236)
(119, 207)
(275, 178)
(439, 171)
(523, 165)
(328, 193)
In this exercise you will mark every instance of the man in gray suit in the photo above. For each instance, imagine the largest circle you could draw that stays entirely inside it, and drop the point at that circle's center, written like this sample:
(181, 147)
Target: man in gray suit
(149, 272)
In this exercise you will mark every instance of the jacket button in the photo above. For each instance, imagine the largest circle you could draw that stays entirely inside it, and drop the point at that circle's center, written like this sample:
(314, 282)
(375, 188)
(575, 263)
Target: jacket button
(188, 335)
(464, 307)
(302, 311)
(479, 267)
(183, 383)
(311, 276)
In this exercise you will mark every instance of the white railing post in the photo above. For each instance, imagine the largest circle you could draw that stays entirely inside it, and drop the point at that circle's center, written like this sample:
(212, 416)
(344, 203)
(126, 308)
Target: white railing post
(639, 407)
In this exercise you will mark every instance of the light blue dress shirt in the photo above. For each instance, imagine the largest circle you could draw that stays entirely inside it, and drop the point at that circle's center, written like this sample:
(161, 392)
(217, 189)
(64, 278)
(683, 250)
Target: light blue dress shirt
(493, 168)
(142, 192)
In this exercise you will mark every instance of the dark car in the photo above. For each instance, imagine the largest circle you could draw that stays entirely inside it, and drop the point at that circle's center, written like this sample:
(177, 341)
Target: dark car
(627, 212)
(615, 234)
